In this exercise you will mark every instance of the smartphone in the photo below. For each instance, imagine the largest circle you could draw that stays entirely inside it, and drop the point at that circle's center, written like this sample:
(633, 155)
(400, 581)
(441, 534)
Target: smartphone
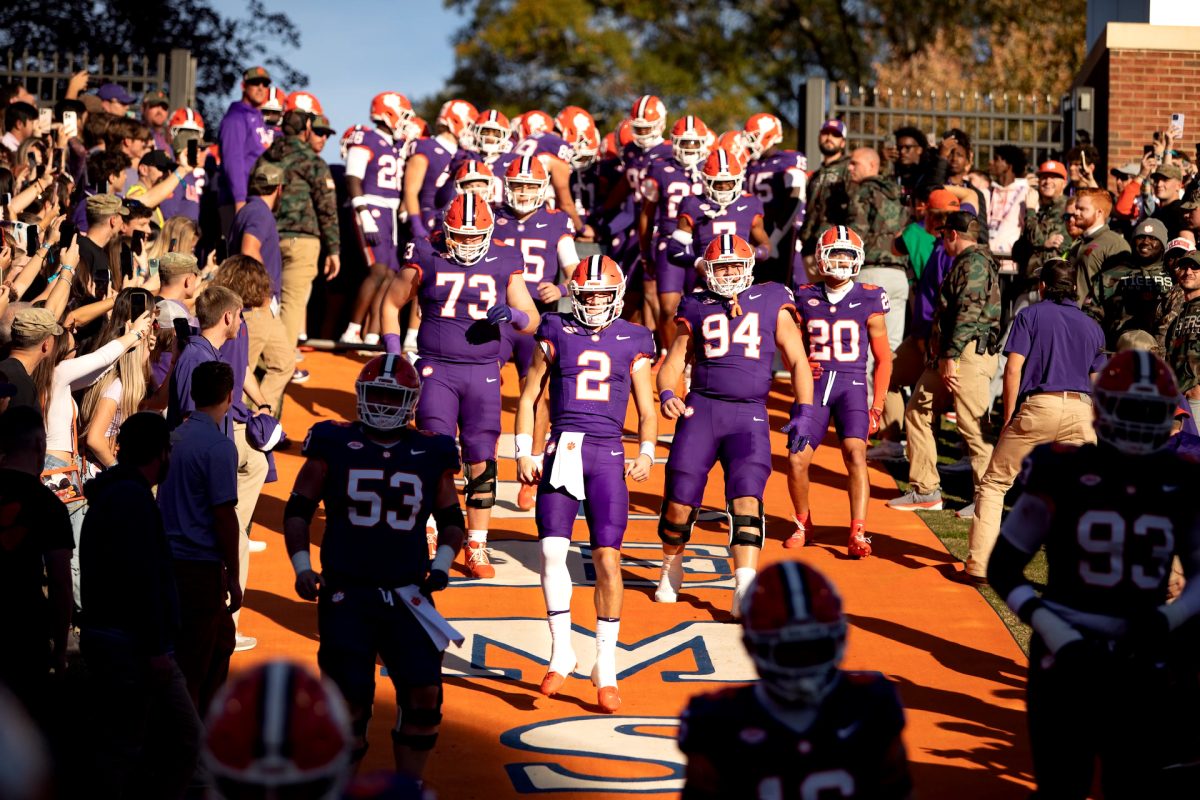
(71, 124)
(45, 120)
(102, 279)
(153, 263)
(31, 239)
(182, 331)
(60, 158)
(1147, 149)
(193, 151)
(135, 242)
(126, 262)
(138, 304)
(1177, 123)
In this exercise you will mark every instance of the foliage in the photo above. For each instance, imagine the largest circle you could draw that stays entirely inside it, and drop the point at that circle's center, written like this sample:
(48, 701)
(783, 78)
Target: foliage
(222, 46)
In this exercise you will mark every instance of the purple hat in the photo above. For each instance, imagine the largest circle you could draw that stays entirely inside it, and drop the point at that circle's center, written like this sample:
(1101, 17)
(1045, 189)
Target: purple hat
(111, 91)
(263, 432)
(834, 126)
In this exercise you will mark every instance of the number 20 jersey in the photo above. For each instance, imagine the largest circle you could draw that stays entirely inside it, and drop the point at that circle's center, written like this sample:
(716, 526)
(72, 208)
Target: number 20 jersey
(836, 333)
(734, 355)
(378, 499)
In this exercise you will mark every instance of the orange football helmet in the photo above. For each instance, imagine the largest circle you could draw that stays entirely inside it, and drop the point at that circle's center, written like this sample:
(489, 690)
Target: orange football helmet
(185, 119)
(416, 128)
(276, 730)
(597, 278)
(762, 132)
(733, 142)
(577, 128)
(457, 116)
(532, 122)
(1134, 401)
(689, 140)
(352, 136)
(472, 172)
(393, 110)
(387, 388)
(467, 217)
(303, 101)
(734, 256)
(723, 167)
(276, 101)
(840, 253)
(648, 120)
(524, 172)
(490, 133)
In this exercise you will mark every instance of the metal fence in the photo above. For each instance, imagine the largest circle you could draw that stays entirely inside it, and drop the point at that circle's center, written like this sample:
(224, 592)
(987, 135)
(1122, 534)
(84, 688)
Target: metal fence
(1032, 122)
(46, 74)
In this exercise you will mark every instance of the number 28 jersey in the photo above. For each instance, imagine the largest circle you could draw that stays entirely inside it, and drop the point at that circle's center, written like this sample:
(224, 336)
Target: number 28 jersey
(378, 499)
(376, 160)
(836, 333)
(733, 356)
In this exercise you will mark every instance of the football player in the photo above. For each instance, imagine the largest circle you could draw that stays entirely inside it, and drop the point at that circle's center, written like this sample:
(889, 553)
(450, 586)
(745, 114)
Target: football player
(591, 360)
(571, 145)
(722, 208)
(839, 317)
(427, 166)
(272, 110)
(490, 146)
(666, 182)
(277, 731)
(380, 481)
(466, 286)
(1111, 516)
(806, 729)
(545, 238)
(779, 178)
(731, 329)
(373, 160)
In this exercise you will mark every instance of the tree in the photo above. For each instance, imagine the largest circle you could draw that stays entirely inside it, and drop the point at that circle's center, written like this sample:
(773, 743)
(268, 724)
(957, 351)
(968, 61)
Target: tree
(223, 47)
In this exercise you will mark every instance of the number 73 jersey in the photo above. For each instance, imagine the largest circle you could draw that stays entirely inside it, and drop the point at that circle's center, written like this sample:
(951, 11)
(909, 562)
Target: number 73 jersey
(836, 333)
(734, 356)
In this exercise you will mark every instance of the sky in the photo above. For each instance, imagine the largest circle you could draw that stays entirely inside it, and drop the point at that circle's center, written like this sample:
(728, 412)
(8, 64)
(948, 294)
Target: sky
(354, 49)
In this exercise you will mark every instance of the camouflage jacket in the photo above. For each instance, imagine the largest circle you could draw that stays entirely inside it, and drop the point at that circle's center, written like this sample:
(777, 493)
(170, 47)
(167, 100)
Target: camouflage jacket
(877, 215)
(826, 202)
(1030, 252)
(1170, 304)
(968, 305)
(308, 206)
(1093, 254)
(1127, 297)
(1183, 345)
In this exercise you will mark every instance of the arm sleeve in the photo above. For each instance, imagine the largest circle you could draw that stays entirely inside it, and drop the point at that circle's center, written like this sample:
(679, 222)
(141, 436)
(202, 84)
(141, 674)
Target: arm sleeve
(357, 159)
(82, 371)
(567, 254)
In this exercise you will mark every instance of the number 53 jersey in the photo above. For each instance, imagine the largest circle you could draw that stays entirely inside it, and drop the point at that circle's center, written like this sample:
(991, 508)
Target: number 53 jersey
(378, 499)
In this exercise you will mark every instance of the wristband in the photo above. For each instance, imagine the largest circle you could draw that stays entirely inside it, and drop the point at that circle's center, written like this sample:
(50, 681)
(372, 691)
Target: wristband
(178, 177)
(562, 289)
(647, 450)
(519, 318)
(523, 444)
(683, 237)
(301, 562)
(410, 339)
(358, 203)
(443, 559)
(46, 246)
(665, 395)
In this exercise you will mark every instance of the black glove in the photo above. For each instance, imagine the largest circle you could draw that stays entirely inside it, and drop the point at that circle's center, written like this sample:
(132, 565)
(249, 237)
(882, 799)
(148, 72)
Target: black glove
(435, 581)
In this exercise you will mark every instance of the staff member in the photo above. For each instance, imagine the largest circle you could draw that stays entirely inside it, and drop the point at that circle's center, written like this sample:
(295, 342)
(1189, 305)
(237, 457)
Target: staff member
(1052, 349)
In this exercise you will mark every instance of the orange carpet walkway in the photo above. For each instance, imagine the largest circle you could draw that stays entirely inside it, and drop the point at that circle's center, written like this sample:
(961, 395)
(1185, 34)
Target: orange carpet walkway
(959, 672)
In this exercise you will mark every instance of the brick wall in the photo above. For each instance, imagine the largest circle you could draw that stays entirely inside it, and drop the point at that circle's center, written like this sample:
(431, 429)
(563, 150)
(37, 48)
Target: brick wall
(1145, 87)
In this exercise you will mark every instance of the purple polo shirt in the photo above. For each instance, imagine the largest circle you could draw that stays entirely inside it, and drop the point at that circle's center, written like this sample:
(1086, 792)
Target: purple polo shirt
(1062, 347)
(236, 353)
(256, 219)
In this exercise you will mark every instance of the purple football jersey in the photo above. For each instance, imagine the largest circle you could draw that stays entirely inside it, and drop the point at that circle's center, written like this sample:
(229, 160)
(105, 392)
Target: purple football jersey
(550, 145)
(592, 373)
(636, 161)
(836, 333)
(775, 180)
(734, 355)
(448, 191)
(373, 157)
(669, 183)
(536, 239)
(455, 300)
(437, 171)
(709, 220)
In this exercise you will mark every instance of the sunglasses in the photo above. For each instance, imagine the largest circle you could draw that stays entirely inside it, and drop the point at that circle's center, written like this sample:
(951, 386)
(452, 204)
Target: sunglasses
(258, 82)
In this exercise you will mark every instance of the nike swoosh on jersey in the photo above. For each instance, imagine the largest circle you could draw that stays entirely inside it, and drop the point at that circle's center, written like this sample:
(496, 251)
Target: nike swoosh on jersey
(741, 208)
(623, 338)
(542, 225)
(755, 296)
(490, 260)
(858, 383)
(848, 731)
(492, 380)
(758, 419)
(615, 453)
(417, 452)
(855, 305)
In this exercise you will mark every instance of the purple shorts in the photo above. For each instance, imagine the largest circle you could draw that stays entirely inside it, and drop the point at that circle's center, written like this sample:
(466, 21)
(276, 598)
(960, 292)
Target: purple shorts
(842, 396)
(462, 399)
(523, 346)
(738, 434)
(386, 251)
(607, 505)
(672, 278)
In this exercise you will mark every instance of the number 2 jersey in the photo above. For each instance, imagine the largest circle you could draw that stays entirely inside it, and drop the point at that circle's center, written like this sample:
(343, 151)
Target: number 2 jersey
(1116, 521)
(592, 373)
(455, 300)
(378, 498)
(733, 356)
(835, 333)
(851, 750)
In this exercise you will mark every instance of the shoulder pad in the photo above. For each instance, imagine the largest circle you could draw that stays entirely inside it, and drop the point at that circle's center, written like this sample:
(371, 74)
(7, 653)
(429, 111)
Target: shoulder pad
(553, 211)
(870, 287)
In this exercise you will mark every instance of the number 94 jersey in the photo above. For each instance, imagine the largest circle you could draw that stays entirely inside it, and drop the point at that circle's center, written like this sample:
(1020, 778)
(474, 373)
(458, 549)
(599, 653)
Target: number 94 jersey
(733, 355)
(836, 333)
(1116, 523)
(378, 499)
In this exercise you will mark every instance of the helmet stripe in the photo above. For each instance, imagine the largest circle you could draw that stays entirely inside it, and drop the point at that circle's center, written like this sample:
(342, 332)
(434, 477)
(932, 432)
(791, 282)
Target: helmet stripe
(1142, 368)
(641, 111)
(389, 364)
(726, 244)
(469, 211)
(275, 710)
(794, 590)
(723, 158)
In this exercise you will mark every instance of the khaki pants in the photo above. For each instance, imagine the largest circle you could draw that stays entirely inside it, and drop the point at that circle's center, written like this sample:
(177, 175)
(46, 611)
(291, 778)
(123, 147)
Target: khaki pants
(251, 475)
(970, 404)
(1049, 417)
(895, 282)
(908, 362)
(269, 342)
(300, 254)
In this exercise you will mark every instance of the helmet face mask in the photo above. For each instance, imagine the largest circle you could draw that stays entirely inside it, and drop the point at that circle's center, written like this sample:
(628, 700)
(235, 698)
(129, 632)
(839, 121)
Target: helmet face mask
(1134, 403)
(722, 191)
(840, 253)
(524, 197)
(688, 149)
(729, 277)
(491, 140)
(468, 225)
(387, 393)
(597, 289)
(648, 120)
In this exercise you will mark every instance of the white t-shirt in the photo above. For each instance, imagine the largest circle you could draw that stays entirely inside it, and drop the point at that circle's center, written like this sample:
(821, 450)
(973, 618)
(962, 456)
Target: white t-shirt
(72, 375)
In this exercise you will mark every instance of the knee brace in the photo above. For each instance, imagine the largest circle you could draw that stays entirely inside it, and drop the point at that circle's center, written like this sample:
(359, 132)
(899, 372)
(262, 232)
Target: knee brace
(415, 741)
(676, 533)
(481, 488)
(745, 529)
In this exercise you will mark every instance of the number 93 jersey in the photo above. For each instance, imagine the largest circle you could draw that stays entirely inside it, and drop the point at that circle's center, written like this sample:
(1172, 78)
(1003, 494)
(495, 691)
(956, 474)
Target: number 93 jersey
(836, 333)
(734, 355)
(378, 499)
(1116, 522)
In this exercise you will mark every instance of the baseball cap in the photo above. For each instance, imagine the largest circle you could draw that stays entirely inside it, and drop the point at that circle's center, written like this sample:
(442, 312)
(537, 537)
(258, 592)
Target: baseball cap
(1192, 258)
(107, 204)
(964, 222)
(834, 126)
(1136, 339)
(35, 324)
(169, 310)
(1169, 171)
(1180, 243)
(1053, 168)
(112, 91)
(263, 432)
(1129, 170)
(1152, 227)
(321, 125)
(172, 265)
(943, 200)
(1191, 200)
(256, 74)
(159, 160)
(156, 98)
(264, 177)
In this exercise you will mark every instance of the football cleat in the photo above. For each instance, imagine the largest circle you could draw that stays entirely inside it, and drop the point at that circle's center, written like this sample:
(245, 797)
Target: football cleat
(597, 290)
(1135, 400)
(722, 170)
(648, 120)
(607, 697)
(478, 564)
(799, 537)
(527, 496)
(859, 545)
(839, 253)
(387, 389)
(553, 681)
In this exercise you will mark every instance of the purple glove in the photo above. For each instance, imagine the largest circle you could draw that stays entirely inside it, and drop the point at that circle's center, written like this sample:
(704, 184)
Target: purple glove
(797, 441)
(417, 226)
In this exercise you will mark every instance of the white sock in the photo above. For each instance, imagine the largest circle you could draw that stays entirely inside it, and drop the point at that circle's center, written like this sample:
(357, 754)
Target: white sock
(556, 578)
(477, 536)
(371, 338)
(742, 578)
(671, 580)
(607, 631)
(352, 330)
(562, 654)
